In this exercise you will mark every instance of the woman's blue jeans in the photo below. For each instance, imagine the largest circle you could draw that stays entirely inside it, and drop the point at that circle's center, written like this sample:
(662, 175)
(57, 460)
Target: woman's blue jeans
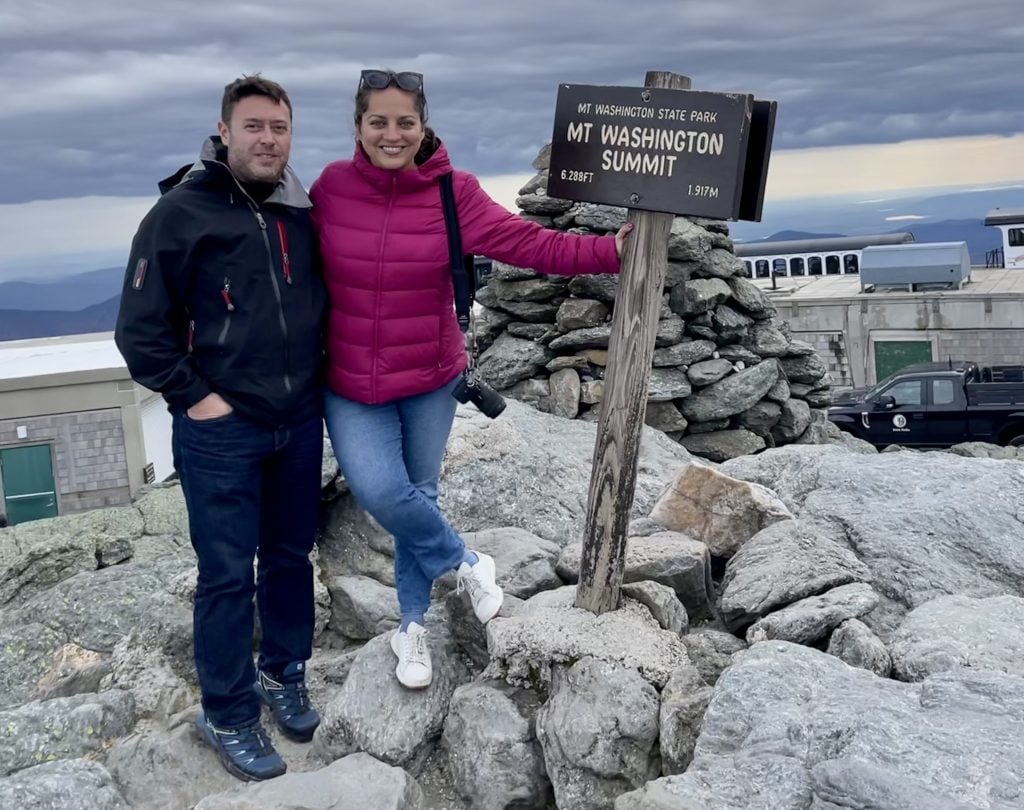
(390, 455)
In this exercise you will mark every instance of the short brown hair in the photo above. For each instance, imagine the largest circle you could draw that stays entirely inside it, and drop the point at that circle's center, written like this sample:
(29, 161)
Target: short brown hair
(254, 85)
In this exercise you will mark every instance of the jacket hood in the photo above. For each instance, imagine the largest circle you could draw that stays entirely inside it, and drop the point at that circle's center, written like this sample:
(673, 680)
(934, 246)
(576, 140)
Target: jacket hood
(421, 176)
(213, 161)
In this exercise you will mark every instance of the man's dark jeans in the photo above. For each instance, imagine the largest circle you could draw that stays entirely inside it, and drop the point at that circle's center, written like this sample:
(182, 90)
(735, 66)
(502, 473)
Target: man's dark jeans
(250, 491)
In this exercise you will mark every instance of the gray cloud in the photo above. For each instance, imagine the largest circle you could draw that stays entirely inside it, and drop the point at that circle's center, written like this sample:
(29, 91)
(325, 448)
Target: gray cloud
(107, 97)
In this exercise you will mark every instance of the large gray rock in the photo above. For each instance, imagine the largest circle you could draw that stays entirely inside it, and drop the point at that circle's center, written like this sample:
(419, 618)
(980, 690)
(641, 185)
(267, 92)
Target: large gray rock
(732, 395)
(543, 288)
(494, 758)
(169, 770)
(548, 631)
(712, 651)
(27, 653)
(670, 558)
(499, 472)
(362, 608)
(510, 359)
(795, 417)
(856, 644)
(688, 242)
(722, 445)
(662, 601)
(525, 563)
(751, 297)
(684, 353)
(684, 700)
(720, 511)
(62, 728)
(953, 632)
(76, 784)
(357, 782)
(790, 727)
(599, 733)
(814, 617)
(782, 564)
(808, 368)
(697, 295)
(352, 543)
(96, 609)
(372, 712)
(925, 524)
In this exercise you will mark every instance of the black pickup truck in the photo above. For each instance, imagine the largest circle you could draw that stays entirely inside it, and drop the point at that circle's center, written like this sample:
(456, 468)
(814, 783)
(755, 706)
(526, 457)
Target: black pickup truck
(937, 405)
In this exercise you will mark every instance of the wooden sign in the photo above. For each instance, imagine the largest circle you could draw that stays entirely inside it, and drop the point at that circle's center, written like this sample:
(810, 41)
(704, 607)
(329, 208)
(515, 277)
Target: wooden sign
(674, 151)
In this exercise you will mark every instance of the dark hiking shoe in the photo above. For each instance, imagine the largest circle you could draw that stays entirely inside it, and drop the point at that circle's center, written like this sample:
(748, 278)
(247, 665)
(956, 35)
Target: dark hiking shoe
(246, 751)
(289, 701)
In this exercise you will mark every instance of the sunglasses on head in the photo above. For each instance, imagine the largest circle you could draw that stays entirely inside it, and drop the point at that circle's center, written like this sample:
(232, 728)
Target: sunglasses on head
(382, 79)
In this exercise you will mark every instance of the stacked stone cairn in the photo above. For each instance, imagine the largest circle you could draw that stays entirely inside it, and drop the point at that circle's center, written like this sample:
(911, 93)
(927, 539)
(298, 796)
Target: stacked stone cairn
(727, 378)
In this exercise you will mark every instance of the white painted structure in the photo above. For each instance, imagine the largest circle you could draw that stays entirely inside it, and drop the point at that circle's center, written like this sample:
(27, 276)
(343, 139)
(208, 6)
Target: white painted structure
(107, 435)
(1010, 222)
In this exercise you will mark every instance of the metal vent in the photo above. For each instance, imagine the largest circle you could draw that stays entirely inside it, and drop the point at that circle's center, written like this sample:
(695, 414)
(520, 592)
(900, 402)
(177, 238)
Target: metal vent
(148, 473)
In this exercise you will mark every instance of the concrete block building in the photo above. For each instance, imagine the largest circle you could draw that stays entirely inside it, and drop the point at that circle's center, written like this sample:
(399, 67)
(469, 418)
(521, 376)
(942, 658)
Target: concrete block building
(863, 336)
(76, 432)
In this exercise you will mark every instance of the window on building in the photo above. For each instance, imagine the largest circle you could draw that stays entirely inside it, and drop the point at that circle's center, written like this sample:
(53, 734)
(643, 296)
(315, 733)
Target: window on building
(1015, 237)
(750, 270)
(779, 267)
(814, 265)
(832, 265)
(796, 266)
(850, 263)
(761, 266)
(943, 392)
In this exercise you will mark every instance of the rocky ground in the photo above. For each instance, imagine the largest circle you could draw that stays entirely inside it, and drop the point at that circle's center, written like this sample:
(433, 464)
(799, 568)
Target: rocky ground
(813, 627)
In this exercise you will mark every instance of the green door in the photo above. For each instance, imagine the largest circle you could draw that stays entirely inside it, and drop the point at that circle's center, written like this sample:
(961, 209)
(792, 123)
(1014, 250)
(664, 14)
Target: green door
(892, 355)
(27, 474)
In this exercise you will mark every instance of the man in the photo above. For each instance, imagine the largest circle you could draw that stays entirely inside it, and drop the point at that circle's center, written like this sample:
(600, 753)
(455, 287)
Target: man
(222, 312)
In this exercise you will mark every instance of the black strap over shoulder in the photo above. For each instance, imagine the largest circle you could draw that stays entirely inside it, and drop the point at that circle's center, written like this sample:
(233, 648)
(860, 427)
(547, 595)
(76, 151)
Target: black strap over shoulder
(462, 266)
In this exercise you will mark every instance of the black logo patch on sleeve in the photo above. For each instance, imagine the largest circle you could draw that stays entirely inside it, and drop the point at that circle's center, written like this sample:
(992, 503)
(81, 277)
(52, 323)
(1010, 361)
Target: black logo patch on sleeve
(140, 274)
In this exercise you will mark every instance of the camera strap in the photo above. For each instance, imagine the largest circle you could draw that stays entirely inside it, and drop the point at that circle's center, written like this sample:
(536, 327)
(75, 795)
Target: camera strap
(462, 266)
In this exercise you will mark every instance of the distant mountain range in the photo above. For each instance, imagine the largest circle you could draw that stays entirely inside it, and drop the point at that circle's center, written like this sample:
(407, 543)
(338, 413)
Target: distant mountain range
(71, 293)
(19, 324)
(87, 302)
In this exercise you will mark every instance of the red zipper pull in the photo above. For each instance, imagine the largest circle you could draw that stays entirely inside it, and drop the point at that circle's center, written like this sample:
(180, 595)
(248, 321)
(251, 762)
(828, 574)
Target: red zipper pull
(285, 261)
(225, 293)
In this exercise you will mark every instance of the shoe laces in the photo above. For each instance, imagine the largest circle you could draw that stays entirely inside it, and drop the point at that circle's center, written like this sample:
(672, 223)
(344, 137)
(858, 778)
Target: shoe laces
(470, 584)
(291, 698)
(246, 743)
(414, 648)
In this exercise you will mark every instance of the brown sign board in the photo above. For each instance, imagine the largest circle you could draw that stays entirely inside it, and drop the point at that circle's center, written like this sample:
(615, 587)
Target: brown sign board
(656, 149)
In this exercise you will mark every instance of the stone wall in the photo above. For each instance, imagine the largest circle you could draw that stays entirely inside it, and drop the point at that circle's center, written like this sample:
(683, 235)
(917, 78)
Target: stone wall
(89, 455)
(728, 378)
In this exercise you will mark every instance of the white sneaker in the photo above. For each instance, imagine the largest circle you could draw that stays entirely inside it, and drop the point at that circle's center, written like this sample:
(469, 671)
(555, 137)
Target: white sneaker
(484, 592)
(413, 670)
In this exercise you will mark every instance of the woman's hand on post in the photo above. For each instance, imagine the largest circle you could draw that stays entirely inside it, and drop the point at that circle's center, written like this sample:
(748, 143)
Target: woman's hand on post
(620, 238)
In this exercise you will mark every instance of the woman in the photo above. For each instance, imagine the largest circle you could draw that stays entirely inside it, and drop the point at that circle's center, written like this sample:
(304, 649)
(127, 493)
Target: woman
(394, 347)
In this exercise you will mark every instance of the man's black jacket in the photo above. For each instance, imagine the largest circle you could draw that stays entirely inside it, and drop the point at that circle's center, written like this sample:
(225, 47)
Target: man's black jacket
(225, 295)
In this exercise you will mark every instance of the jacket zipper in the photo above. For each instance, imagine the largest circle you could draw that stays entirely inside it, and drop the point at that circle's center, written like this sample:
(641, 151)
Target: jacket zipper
(277, 295)
(286, 264)
(380, 282)
(191, 335)
(225, 293)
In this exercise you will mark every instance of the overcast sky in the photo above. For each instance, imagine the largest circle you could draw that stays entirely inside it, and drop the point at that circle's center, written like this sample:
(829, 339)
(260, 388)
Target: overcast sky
(101, 98)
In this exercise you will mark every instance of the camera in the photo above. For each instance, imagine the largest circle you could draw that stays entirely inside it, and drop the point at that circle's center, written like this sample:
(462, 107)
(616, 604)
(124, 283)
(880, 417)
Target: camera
(471, 388)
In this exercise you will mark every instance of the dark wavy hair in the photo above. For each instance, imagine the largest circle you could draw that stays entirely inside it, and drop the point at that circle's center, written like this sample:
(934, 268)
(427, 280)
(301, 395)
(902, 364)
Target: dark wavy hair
(254, 85)
(430, 139)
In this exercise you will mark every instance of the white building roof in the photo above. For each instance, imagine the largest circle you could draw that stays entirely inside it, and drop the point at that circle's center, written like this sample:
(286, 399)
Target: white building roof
(45, 357)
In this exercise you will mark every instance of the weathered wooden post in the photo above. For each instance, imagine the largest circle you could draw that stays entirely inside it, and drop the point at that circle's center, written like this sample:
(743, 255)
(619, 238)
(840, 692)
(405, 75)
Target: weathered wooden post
(630, 350)
(682, 153)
